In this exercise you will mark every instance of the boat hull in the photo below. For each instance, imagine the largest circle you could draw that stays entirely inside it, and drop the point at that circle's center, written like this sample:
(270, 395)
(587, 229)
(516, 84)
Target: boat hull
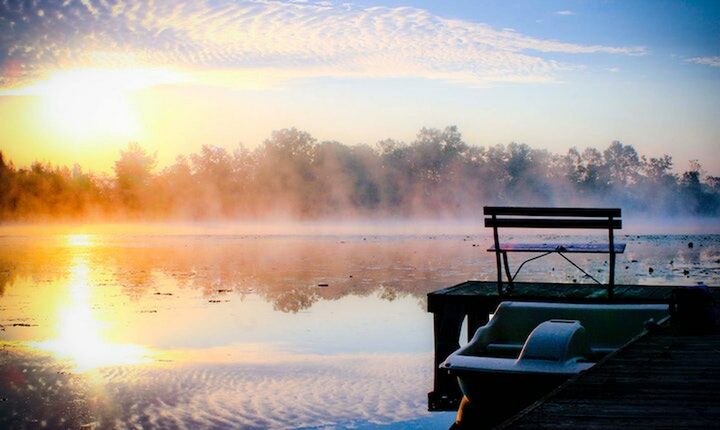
(489, 387)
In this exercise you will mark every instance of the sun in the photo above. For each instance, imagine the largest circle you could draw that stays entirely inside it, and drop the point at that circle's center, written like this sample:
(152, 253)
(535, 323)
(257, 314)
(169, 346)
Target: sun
(88, 103)
(95, 103)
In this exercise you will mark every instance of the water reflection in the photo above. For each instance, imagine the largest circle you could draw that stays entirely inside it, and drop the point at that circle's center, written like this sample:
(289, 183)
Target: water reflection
(79, 240)
(242, 331)
(236, 332)
(81, 335)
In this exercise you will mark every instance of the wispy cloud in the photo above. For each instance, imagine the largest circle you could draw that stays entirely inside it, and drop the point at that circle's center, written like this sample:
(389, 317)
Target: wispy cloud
(565, 12)
(283, 39)
(706, 61)
(613, 69)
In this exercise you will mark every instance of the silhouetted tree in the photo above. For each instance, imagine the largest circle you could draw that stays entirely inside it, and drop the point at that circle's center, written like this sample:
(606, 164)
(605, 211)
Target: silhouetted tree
(292, 175)
(622, 164)
(133, 173)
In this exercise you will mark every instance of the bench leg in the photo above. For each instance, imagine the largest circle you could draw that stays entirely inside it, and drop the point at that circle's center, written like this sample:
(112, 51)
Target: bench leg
(611, 251)
(611, 283)
(507, 271)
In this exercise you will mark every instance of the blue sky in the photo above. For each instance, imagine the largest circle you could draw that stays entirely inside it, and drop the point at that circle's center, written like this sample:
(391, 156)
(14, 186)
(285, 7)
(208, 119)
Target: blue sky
(550, 74)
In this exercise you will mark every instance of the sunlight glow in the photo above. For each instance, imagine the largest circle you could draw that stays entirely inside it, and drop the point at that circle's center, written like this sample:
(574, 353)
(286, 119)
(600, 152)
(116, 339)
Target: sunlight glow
(80, 338)
(80, 240)
(92, 103)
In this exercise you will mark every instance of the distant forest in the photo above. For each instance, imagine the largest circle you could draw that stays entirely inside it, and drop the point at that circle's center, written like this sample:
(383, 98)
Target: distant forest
(292, 175)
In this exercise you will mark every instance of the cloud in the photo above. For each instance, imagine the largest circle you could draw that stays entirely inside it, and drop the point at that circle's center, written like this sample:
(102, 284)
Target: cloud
(565, 12)
(287, 40)
(707, 61)
(613, 69)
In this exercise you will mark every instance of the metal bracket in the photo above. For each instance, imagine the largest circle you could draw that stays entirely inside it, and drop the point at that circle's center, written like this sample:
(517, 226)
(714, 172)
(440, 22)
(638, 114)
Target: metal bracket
(512, 278)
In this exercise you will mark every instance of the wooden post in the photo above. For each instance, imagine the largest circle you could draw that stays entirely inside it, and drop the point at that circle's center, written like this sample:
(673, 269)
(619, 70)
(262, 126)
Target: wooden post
(447, 323)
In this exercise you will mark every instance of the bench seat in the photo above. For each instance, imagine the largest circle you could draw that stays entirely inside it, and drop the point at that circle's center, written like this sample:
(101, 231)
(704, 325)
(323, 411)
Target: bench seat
(586, 248)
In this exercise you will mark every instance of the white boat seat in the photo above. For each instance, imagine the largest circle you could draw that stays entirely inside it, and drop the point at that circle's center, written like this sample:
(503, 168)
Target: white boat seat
(556, 340)
(555, 346)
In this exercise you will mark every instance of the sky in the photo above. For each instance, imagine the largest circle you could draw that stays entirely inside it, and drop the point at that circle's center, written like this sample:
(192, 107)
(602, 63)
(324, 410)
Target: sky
(79, 79)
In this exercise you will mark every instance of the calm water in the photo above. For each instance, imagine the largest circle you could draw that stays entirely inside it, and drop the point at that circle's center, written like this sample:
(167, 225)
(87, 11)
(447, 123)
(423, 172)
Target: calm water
(240, 331)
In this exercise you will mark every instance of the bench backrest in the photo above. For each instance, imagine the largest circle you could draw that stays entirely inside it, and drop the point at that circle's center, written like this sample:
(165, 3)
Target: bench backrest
(539, 217)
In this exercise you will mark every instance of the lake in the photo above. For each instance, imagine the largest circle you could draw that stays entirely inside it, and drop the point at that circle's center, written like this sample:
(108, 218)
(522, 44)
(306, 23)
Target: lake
(200, 329)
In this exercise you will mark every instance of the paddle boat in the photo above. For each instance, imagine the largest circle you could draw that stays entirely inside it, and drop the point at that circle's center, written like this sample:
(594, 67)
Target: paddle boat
(527, 348)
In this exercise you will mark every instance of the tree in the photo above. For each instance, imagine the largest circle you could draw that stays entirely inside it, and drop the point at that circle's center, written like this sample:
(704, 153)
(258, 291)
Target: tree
(622, 164)
(133, 173)
(285, 180)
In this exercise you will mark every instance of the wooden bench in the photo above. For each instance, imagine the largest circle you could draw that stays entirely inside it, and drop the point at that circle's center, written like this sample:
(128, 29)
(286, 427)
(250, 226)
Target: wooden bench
(608, 219)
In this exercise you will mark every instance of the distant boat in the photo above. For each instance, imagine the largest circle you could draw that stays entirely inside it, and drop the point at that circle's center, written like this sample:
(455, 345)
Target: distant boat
(527, 348)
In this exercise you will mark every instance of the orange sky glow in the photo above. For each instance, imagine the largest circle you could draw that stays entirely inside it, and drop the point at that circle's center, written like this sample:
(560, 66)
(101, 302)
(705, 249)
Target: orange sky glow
(82, 79)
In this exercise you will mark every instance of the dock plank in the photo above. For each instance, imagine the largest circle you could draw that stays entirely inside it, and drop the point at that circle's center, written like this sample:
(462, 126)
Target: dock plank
(663, 380)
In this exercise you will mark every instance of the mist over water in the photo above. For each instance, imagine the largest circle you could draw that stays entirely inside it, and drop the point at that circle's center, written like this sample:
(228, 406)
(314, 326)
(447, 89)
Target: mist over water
(293, 177)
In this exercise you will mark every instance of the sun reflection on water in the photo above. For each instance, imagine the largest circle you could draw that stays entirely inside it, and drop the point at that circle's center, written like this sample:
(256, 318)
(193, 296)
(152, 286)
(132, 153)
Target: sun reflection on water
(79, 240)
(81, 335)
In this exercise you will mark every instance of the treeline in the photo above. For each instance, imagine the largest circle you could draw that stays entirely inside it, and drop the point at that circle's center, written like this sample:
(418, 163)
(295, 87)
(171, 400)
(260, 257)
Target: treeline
(292, 175)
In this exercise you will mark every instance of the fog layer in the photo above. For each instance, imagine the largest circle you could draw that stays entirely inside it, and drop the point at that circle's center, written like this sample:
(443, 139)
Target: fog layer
(293, 176)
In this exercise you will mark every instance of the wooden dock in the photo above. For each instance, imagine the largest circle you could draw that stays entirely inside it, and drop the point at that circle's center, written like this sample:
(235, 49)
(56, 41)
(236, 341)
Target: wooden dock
(477, 299)
(663, 380)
